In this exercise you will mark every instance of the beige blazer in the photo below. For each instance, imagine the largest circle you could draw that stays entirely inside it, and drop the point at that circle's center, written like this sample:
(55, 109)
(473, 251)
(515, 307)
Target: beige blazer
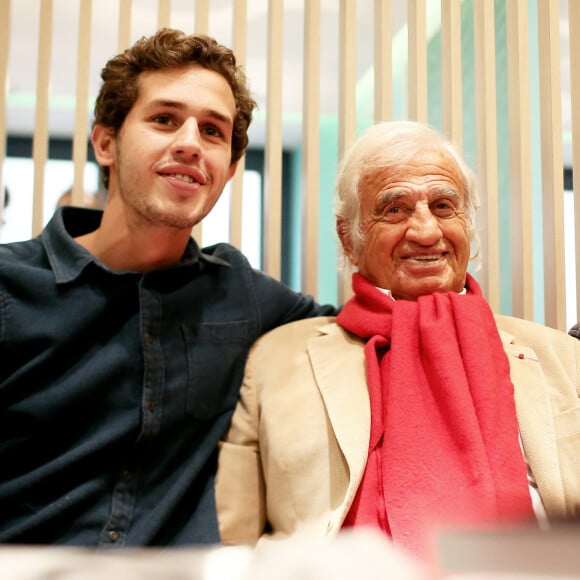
(297, 446)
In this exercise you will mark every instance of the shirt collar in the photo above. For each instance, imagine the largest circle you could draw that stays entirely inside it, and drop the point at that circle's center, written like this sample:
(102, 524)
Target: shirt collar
(69, 259)
(388, 292)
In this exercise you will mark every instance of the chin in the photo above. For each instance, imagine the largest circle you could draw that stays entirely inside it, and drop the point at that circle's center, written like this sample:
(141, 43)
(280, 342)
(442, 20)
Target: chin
(178, 221)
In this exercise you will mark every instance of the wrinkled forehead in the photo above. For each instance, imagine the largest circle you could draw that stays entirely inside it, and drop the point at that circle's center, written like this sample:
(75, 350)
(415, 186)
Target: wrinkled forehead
(424, 165)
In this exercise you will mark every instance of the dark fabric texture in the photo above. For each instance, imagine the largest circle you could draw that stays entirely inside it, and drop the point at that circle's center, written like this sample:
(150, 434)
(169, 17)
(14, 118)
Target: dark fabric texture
(115, 387)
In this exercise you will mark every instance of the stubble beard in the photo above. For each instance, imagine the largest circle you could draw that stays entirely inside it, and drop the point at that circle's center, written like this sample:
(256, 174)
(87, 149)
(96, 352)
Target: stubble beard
(150, 211)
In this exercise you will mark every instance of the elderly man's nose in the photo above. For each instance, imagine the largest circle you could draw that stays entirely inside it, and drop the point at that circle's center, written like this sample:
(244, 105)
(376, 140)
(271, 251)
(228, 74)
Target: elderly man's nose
(423, 228)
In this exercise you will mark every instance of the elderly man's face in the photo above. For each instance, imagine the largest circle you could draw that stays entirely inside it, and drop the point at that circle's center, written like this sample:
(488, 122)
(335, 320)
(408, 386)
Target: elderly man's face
(415, 239)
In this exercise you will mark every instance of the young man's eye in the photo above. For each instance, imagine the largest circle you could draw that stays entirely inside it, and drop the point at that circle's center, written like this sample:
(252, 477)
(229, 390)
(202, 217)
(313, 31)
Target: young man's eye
(162, 119)
(212, 131)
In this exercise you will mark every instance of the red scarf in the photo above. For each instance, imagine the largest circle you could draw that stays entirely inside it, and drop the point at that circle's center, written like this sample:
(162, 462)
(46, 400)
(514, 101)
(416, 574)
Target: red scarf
(444, 448)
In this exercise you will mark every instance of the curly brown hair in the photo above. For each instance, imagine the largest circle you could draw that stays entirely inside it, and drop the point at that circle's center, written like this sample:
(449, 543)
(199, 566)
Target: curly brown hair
(170, 48)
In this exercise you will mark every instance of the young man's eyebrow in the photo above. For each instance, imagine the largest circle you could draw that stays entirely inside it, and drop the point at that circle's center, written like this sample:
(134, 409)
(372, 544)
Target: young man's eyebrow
(169, 104)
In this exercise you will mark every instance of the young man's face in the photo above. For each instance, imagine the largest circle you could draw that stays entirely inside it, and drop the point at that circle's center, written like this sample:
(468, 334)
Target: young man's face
(172, 157)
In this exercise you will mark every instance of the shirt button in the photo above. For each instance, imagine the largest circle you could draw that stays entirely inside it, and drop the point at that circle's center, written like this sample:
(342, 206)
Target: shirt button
(151, 406)
(113, 535)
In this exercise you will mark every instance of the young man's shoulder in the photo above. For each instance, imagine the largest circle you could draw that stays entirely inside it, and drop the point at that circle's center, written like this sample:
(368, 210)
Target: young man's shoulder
(23, 253)
(224, 251)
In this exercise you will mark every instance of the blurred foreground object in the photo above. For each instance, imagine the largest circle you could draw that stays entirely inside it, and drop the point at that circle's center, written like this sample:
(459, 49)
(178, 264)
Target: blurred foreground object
(355, 554)
(522, 553)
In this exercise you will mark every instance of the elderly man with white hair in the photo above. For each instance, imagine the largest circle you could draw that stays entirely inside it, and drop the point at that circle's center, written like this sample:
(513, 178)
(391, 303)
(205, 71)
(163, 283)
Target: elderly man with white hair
(417, 409)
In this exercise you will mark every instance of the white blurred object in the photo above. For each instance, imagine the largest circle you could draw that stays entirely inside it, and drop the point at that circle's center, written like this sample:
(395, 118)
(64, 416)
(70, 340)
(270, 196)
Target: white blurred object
(64, 563)
(361, 554)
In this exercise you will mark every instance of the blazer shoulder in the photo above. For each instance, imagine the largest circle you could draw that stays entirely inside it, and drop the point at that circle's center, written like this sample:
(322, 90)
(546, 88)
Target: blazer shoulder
(527, 332)
(297, 331)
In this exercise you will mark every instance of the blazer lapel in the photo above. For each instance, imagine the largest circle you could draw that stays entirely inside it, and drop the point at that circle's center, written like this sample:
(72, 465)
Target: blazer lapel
(339, 369)
(536, 423)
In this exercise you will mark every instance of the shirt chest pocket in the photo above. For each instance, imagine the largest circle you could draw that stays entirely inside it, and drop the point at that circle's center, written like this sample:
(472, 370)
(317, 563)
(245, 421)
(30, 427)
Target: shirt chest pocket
(216, 354)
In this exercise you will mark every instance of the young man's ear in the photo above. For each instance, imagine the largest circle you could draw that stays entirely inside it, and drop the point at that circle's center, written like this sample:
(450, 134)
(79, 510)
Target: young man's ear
(104, 145)
(232, 170)
(343, 232)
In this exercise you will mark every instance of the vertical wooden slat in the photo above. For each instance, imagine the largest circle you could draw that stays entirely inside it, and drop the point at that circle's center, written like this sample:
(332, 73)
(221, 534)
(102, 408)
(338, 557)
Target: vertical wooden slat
(451, 70)
(4, 51)
(124, 34)
(80, 136)
(417, 17)
(383, 59)
(574, 50)
(347, 75)
(40, 139)
(311, 147)
(273, 153)
(163, 13)
(520, 159)
(552, 164)
(201, 27)
(487, 170)
(346, 101)
(240, 34)
(201, 16)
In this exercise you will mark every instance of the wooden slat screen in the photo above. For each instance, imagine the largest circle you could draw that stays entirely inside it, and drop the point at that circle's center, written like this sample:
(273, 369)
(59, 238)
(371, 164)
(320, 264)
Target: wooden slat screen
(574, 55)
(418, 94)
(40, 140)
(201, 27)
(273, 149)
(401, 83)
(124, 36)
(552, 163)
(239, 45)
(520, 158)
(383, 58)
(486, 137)
(82, 98)
(311, 146)
(451, 70)
(347, 99)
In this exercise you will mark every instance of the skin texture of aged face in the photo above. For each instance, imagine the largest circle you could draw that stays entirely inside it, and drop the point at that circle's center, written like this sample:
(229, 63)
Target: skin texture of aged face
(415, 239)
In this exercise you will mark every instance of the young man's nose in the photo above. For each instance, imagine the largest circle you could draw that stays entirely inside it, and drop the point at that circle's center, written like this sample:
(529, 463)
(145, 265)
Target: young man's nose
(188, 139)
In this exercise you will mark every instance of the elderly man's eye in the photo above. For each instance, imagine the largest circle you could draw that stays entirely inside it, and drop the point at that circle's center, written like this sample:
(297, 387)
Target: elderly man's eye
(443, 208)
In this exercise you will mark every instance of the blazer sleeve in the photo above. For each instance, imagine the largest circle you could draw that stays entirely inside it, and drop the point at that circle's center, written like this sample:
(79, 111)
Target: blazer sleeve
(240, 486)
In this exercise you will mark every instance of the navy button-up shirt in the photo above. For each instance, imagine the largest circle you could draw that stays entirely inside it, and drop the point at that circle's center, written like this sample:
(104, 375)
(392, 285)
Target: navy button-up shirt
(115, 387)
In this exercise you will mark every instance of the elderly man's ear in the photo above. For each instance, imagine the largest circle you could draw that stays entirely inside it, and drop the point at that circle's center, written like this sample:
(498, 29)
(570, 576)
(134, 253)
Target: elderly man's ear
(344, 235)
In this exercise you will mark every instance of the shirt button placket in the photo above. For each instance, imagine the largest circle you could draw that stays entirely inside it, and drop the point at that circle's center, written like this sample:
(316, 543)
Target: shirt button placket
(151, 309)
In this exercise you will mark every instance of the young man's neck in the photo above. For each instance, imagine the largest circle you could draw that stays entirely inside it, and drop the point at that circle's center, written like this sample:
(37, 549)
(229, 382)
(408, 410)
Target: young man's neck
(140, 249)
